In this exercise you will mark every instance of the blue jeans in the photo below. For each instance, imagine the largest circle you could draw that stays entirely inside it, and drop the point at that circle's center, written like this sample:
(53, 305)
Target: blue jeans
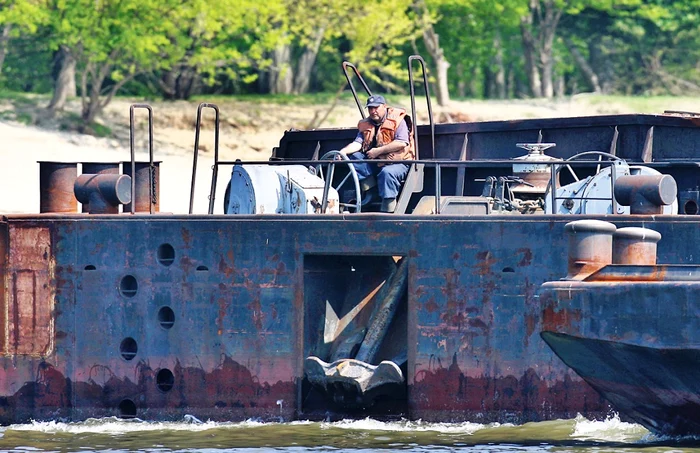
(389, 177)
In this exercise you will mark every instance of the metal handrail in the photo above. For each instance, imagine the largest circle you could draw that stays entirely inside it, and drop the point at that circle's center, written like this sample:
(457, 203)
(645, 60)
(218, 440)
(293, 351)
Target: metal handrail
(554, 170)
(151, 170)
(215, 167)
(413, 102)
(345, 66)
(554, 165)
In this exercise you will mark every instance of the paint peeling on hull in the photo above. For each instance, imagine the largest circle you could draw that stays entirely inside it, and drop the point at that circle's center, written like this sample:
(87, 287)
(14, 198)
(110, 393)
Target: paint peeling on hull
(245, 291)
(227, 392)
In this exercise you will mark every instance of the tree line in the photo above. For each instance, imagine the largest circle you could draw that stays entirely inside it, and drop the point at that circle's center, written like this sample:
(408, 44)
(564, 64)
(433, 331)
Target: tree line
(496, 49)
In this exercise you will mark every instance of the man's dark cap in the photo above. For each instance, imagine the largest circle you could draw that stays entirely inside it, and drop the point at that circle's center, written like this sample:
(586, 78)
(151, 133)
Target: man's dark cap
(375, 101)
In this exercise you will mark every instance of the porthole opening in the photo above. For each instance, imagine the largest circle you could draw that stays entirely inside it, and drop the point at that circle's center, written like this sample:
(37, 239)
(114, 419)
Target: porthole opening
(166, 317)
(127, 409)
(165, 379)
(90, 267)
(128, 287)
(128, 348)
(202, 268)
(166, 254)
(508, 269)
(690, 207)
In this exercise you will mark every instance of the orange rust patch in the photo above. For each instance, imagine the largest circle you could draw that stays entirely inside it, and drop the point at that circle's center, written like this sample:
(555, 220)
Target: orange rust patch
(4, 239)
(485, 261)
(556, 320)
(186, 238)
(526, 260)
(30, 276)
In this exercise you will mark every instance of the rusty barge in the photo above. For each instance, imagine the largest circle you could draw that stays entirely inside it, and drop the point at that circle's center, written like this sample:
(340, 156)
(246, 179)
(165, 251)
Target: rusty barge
(301, 303)
(628, 325)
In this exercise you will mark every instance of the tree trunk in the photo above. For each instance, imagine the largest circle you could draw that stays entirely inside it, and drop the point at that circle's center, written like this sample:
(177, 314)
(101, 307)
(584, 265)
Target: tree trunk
(583, 65)
(510, 82)
(547, 75)
(92, 105)
(167, 83)
(64, 82)
(488, 82)
(179, 82)
(306, 63)
(560, 86)
(548, 29)
(539, 47)
(281, 74)
(461, 82)
(473, 85)
(4, 39)
(91, 100)
(432, 44)
(531, 71)
(499, 76)
(601, 65)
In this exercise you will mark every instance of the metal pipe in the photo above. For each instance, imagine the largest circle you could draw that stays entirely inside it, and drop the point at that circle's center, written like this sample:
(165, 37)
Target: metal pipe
(438, 188)
(151, 198)
(413, 102)
(553, 187)
(56, 186)
(97, 168)
(345, 65)
(215, 168)
(646, 194)
(103, 193)
(326, 188)
(461, 171)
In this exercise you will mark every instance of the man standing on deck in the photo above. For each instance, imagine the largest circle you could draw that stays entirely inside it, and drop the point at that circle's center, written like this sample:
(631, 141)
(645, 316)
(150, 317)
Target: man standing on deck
(384, 135)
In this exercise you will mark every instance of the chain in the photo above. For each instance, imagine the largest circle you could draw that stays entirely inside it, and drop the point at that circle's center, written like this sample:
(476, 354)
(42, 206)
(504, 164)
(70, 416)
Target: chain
(154, 194)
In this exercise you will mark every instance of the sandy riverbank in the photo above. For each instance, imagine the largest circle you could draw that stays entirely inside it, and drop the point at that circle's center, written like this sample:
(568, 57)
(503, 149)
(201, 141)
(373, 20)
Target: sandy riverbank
(249, 131)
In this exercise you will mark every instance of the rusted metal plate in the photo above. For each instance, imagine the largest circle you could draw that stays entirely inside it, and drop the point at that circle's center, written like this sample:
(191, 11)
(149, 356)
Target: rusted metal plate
(56, 187)
(147, 186)
(30, 292)
(4, 249)
(656, 387)
(213, 316)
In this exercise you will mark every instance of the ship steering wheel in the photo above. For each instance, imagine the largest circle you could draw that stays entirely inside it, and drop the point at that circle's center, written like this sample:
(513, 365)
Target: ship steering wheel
(601, 155)
(350, 177)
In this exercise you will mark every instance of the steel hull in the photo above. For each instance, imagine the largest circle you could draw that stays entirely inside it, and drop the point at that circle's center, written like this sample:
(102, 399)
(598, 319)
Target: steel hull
(656, 387)
(245, 295)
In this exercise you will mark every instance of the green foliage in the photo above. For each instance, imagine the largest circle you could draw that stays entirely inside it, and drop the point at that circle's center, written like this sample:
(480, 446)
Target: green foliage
(376, 36)
(25, 16)
(635, 46)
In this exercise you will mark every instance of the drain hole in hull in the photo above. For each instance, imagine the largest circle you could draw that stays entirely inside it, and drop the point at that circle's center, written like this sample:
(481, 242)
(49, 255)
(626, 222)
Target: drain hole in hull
(127, 409)
(165, 380)
(128, 348)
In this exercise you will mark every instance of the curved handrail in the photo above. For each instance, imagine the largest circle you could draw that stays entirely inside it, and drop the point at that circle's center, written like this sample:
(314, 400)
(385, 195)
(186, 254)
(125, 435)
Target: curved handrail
(413, 102)
(215, 168)
(345, 65)
(151, 170)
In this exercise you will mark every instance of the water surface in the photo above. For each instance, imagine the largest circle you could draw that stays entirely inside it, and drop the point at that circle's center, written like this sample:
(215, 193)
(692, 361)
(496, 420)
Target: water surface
(192, 435)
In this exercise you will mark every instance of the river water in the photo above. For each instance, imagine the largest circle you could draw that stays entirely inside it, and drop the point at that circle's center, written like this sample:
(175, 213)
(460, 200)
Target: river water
(192, 435)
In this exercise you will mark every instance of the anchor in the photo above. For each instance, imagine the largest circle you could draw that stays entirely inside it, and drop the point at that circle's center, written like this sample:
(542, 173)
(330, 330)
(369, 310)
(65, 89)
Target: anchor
(355, 382)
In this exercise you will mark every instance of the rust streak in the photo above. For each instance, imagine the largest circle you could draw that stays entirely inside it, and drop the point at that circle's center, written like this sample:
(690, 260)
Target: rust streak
(15, 313)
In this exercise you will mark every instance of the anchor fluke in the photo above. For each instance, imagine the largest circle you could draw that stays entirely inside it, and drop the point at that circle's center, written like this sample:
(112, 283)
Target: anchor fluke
(351, 382)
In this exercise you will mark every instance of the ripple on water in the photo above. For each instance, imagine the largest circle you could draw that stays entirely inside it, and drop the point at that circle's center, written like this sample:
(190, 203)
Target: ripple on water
(193, 435)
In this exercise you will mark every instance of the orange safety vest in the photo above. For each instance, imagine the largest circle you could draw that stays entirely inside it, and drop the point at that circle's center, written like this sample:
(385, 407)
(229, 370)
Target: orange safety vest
(386, 132)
